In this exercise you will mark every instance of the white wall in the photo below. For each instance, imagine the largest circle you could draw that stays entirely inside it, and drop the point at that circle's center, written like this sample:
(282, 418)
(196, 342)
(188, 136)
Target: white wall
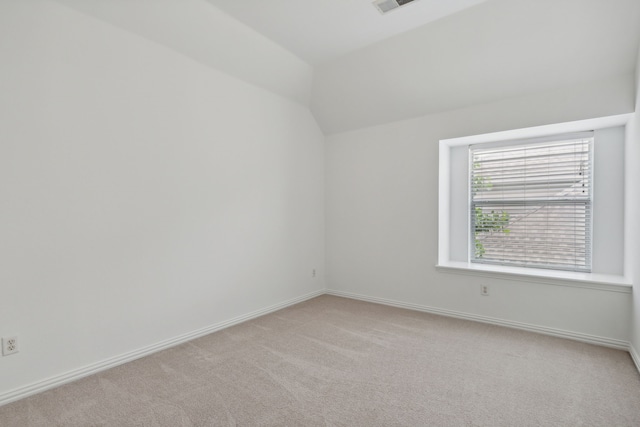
(382, 215)
(143, 195)
(632, 212)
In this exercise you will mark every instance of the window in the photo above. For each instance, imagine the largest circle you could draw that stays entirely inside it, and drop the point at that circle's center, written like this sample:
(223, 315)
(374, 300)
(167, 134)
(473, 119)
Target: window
(603, 265)
(531, 203)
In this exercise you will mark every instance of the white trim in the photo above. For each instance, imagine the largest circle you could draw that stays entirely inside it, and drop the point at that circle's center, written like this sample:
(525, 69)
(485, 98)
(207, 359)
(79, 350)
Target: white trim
(602, 282)
(540, 131)
(444, 203)
(94, 368)
(576, 336)
(634, 356)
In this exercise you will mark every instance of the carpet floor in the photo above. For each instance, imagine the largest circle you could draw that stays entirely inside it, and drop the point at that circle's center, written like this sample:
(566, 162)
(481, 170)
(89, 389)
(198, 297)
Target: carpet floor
(333, 361)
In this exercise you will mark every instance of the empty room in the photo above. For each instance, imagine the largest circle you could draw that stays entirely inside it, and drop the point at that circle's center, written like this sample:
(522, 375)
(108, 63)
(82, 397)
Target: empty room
(320, 213)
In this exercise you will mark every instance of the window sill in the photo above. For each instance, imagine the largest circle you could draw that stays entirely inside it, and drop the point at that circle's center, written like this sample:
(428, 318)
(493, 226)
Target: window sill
(604, 282)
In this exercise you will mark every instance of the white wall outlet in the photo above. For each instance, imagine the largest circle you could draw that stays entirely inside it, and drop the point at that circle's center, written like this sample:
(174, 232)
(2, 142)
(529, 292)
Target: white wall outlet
(10, 346)
(484, 290)
(313, 273)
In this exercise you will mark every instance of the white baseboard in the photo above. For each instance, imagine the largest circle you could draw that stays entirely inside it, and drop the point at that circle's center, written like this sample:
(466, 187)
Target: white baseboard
(94, 368)
(577, 336)
(635, 356)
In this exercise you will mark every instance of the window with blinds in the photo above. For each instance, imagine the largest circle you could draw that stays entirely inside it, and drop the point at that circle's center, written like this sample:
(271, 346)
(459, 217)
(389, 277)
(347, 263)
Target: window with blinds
(531, 203)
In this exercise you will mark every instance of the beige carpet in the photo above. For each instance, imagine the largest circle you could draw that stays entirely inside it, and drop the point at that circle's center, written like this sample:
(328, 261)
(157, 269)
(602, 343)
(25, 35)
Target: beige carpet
(337, 362)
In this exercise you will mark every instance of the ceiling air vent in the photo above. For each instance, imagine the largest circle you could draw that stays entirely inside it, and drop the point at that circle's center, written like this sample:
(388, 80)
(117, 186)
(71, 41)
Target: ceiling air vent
(385, 6)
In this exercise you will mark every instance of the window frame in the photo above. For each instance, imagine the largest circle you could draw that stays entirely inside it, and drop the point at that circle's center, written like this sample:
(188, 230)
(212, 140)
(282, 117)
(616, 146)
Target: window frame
(448, 262)
(523, 202)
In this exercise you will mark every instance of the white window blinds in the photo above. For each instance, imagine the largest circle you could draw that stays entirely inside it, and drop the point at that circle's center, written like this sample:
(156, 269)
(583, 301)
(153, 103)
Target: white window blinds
(531, 203)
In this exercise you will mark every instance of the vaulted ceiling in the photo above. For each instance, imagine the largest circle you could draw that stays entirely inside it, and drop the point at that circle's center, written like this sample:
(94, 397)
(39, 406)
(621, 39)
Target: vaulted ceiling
(498, 49)
(319, 31)
(355, 67)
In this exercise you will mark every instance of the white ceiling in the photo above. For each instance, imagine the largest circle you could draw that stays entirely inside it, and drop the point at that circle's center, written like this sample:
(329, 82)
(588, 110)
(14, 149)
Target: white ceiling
(497, 50)
(369, 69)
(204, 33)
(437, 55)
(318, 31)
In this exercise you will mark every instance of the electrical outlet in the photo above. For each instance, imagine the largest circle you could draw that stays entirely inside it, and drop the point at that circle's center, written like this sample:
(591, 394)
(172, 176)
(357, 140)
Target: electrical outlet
(313, 273)
(484, 290)
(10, 346)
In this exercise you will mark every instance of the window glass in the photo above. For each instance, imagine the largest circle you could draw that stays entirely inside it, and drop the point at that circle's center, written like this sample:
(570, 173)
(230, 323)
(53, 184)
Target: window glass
(531, 203)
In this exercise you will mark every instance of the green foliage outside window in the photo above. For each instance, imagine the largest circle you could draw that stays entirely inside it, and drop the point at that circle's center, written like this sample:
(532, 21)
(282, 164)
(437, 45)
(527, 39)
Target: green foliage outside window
(486, 223)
